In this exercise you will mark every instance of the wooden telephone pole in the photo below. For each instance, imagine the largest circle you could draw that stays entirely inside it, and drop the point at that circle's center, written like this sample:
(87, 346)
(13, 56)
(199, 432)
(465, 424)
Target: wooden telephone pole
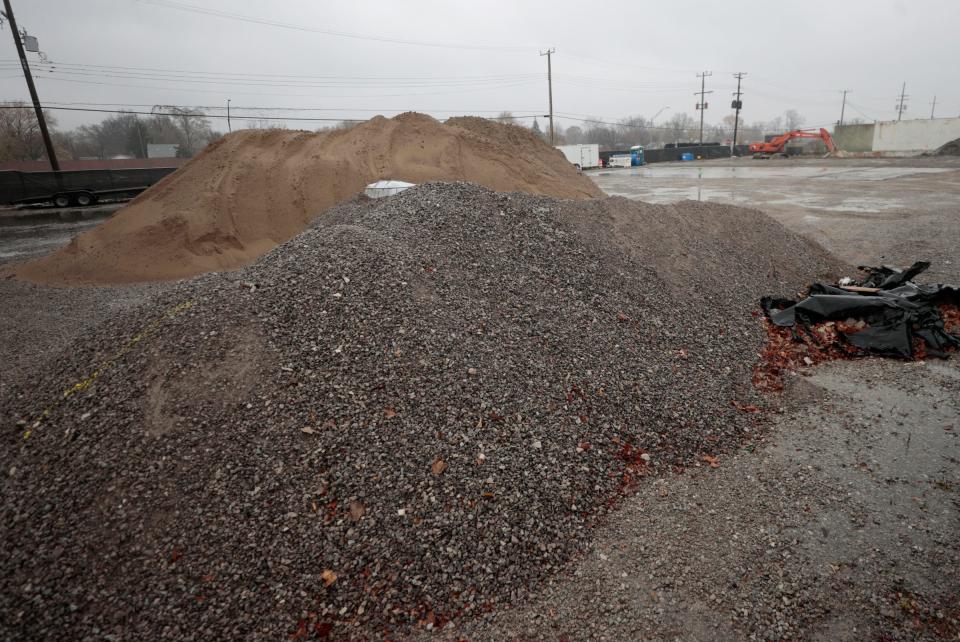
(548, 53)
(702, 105)
(51, 154)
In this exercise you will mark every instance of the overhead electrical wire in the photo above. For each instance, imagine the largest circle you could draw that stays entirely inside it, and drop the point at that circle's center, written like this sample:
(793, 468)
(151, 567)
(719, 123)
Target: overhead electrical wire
(183, 6)
(193, 72)
(42, 70)
(233, 92)
(200, 114)
(532, 112)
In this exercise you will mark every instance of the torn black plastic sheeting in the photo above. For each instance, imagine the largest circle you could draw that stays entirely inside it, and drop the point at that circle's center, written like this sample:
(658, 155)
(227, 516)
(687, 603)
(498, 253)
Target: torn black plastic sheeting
(898, 312)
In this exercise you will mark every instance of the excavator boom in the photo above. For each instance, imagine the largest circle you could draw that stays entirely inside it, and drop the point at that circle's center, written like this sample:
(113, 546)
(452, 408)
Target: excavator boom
(777, 145)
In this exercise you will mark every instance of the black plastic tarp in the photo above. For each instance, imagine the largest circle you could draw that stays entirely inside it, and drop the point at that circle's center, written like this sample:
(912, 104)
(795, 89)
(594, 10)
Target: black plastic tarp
(896, 313)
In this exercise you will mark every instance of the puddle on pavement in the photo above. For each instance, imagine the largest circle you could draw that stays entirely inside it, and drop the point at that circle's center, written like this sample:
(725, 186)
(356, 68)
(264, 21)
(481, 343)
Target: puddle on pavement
(22, 241)
(775, 170)
(863, 204)
(734, 185)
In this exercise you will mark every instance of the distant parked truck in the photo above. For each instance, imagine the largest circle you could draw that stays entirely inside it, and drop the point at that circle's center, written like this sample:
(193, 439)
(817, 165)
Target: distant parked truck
(620, 160)
(582, 156)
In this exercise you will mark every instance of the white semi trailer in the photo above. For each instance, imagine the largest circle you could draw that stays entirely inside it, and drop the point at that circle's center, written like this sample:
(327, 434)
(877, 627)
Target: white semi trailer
(583, 156)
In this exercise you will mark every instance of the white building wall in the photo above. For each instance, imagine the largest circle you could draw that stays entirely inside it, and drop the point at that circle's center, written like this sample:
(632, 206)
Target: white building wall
(915, 135)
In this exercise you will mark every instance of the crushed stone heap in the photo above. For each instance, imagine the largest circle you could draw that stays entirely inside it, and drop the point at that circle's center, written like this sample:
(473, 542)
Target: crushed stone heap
(410, 414)
(254, 189)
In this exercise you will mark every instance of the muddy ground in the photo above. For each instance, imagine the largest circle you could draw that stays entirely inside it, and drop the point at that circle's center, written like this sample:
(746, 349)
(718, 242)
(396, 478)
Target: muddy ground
(837, 521)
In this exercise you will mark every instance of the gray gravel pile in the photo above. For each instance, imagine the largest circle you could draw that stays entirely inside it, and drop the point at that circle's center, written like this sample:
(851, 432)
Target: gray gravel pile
(413, 412)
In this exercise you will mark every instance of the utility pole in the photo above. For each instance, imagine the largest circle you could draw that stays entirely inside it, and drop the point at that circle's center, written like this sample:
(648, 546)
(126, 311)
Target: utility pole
(933, 107)
(737, 105)
(548, 53)
(51, 155)
(702, 105)
(843, 107)
(143, 148)
(229, 127)
(901, 105)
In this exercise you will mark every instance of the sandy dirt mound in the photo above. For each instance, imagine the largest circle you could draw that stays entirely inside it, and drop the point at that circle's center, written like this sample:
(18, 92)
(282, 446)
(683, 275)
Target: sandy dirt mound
(253, 190)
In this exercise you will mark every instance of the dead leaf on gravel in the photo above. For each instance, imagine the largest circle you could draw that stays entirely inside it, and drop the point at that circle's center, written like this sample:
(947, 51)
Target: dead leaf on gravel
(308, 430)
(713, 461)
(621, 317)
(357, 509)
(744, 407)
(390, 412)
(438, 466)
(329, 577)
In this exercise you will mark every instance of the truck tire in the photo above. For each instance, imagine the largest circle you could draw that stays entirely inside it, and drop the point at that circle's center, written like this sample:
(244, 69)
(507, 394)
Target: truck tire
(61, 200)
(85, 198)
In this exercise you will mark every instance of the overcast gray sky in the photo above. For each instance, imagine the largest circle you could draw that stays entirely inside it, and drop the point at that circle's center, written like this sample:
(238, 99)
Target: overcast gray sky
(613, 59)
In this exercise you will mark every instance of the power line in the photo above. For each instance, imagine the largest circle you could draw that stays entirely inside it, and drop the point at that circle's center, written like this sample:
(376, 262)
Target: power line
(221, 92)
(192, 114)
(182, 6)
(200, 114)
(63, 70)
(859, 109)
(193, 72)
(531, 112)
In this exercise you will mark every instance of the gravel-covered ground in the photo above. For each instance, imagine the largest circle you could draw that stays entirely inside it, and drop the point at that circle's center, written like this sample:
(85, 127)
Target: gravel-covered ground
(840, 523)
(407, 416)
(38, 321)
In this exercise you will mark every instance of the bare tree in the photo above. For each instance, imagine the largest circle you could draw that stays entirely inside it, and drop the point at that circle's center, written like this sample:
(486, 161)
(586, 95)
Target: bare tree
(792, 119)
(192, 128)
(574, 135)
(20, 137)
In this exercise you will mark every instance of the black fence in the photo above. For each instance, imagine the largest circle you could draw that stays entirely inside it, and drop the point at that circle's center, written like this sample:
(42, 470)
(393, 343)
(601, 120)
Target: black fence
(673, 152)
(19, 186)
(704, 152)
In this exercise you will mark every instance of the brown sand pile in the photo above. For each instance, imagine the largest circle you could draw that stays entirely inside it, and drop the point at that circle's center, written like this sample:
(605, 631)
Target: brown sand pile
(253, 190)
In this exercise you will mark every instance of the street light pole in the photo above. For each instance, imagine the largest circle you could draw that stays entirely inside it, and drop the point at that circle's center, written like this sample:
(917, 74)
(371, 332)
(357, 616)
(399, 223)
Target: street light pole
(662, 109)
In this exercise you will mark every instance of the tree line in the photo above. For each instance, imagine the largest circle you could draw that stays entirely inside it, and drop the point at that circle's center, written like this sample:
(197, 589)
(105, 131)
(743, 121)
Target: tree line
(127, 134)
(680, 128)
(124, 134)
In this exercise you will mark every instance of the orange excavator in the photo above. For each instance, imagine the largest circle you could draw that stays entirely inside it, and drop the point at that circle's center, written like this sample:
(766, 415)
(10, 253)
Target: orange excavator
(777, 146)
